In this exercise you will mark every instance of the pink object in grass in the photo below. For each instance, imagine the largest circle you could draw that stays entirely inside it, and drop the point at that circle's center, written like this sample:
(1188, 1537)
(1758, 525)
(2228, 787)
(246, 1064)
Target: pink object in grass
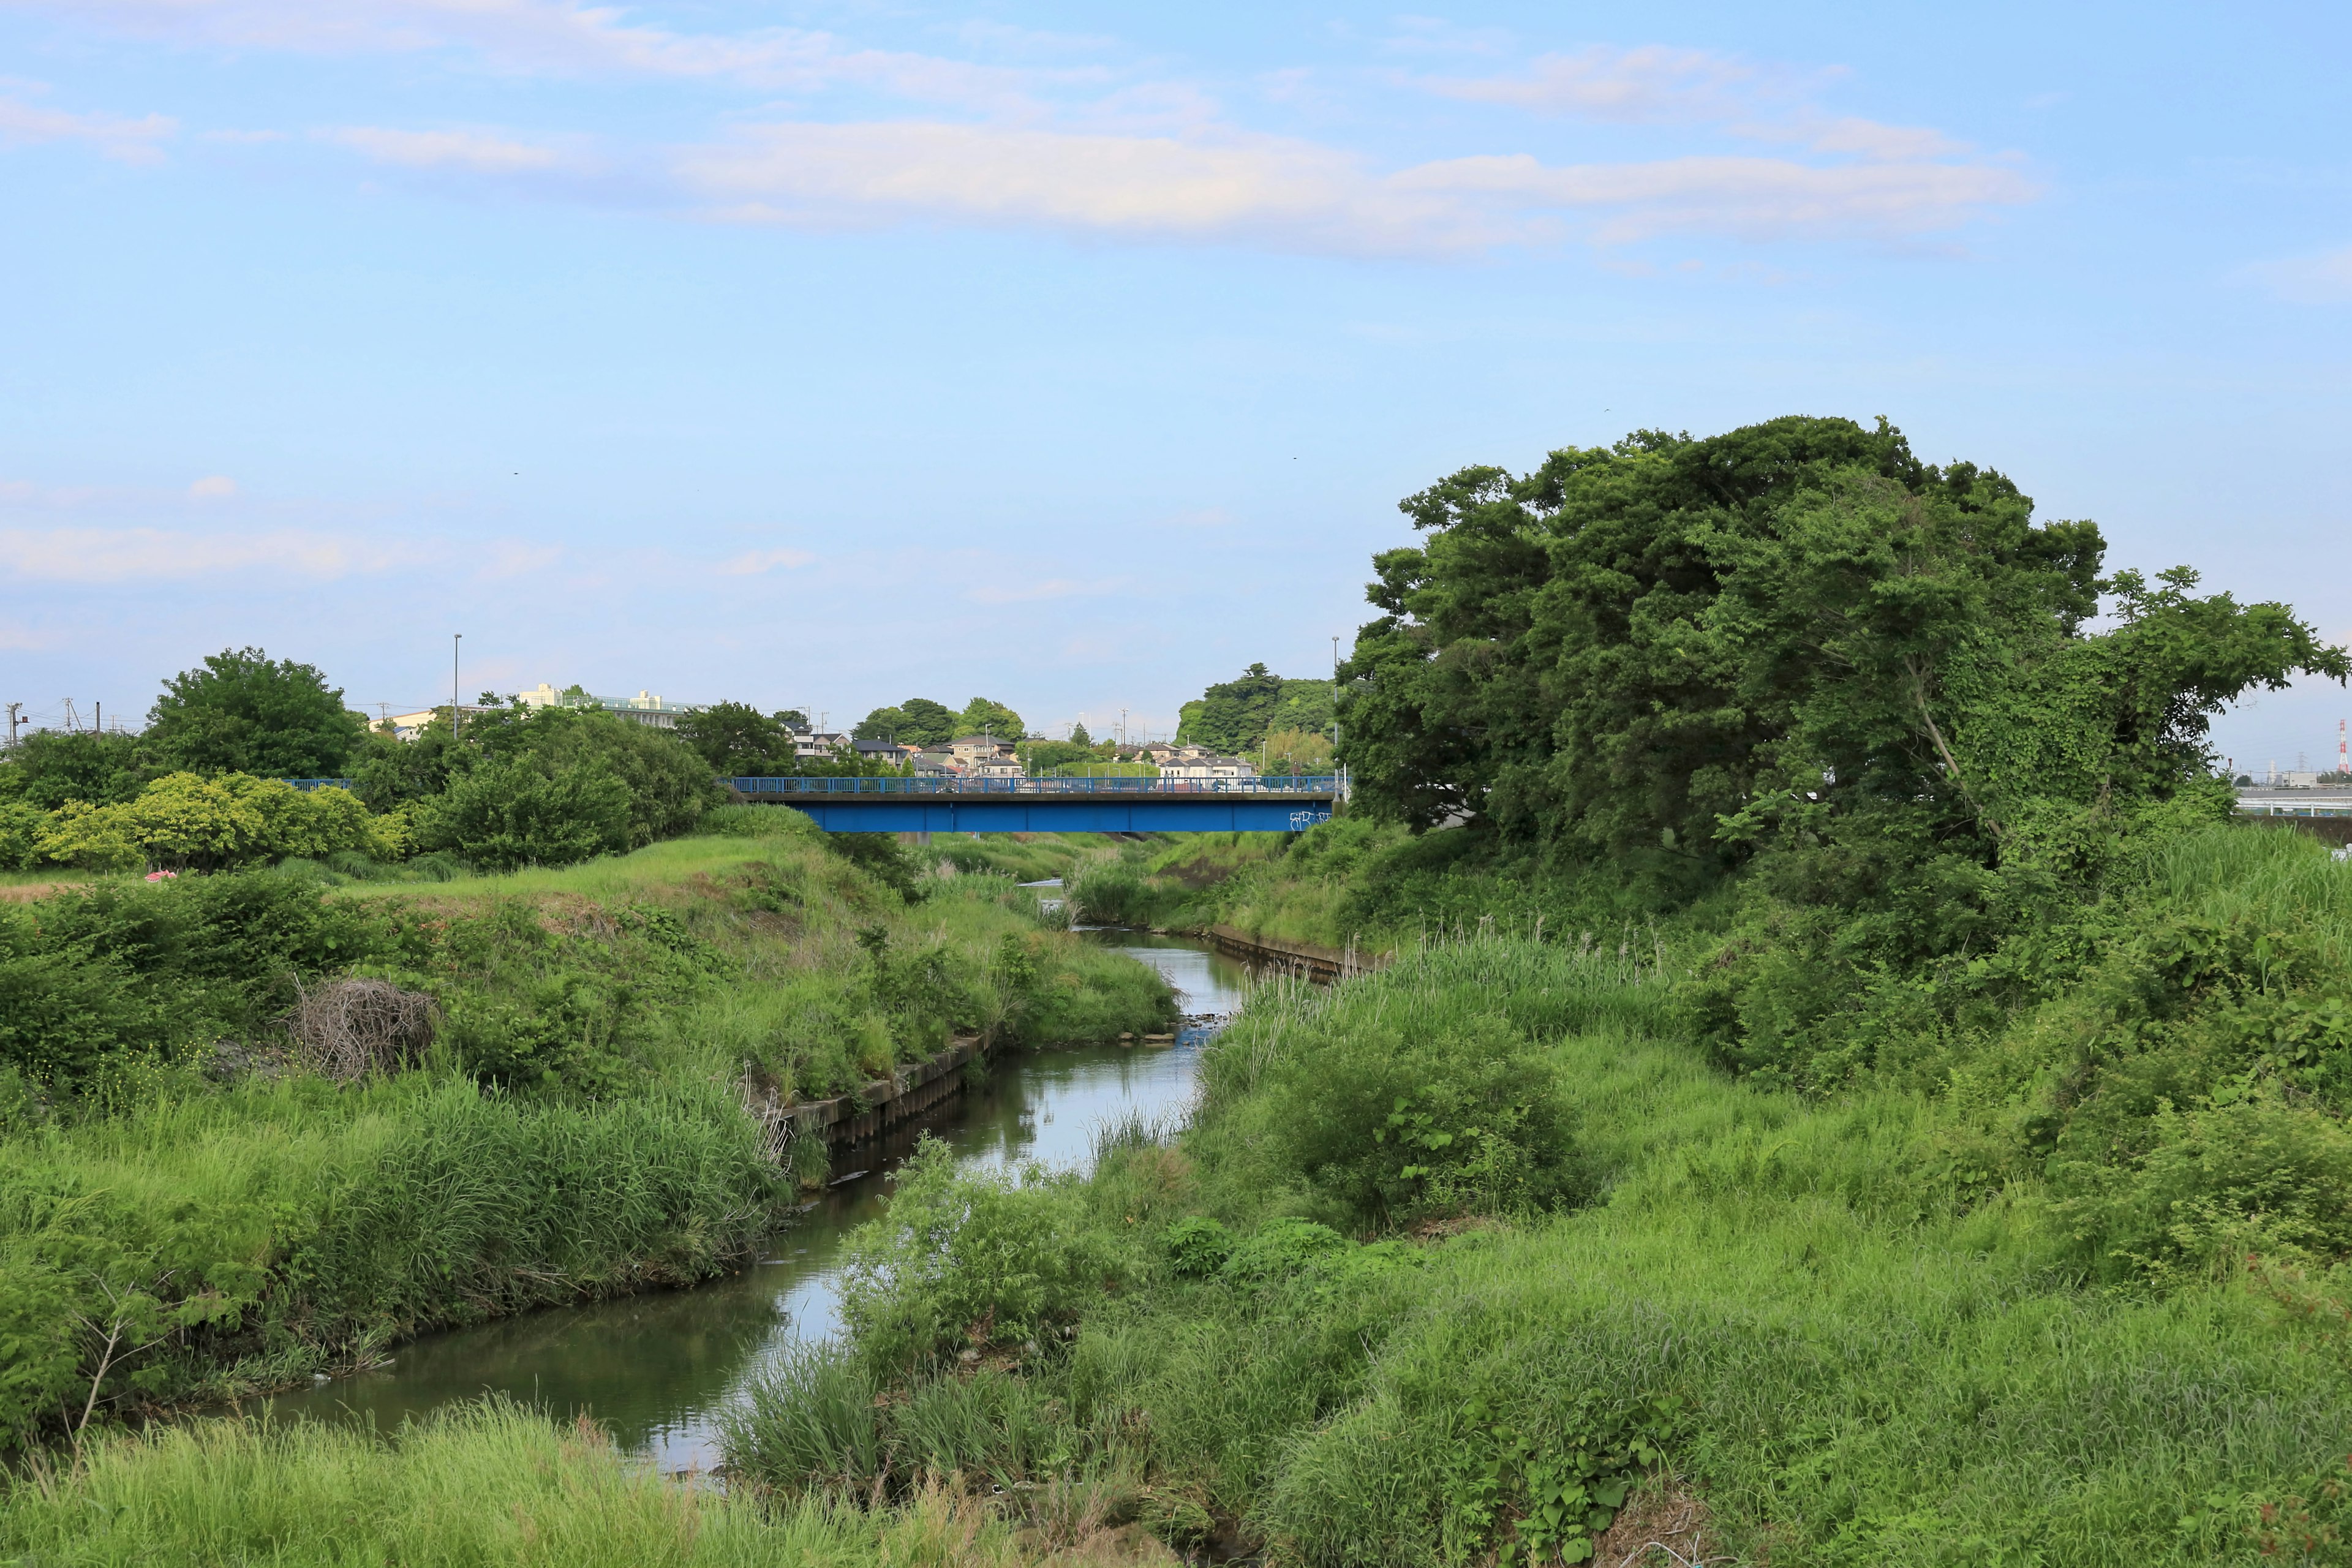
(162, 876)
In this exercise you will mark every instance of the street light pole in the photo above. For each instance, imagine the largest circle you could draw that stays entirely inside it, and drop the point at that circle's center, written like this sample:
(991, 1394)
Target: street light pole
(455, 638)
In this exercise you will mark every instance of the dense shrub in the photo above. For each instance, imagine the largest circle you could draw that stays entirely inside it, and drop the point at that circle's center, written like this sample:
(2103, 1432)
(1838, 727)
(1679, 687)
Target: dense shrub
(183, 822)
(968, 1260)
(520, 811)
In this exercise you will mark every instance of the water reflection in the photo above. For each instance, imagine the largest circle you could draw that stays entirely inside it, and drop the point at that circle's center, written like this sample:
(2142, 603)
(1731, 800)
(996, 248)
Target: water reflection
(657, 1369)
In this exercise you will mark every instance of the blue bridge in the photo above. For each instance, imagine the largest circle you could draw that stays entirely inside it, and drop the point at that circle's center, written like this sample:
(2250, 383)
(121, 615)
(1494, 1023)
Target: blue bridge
(1053, 806)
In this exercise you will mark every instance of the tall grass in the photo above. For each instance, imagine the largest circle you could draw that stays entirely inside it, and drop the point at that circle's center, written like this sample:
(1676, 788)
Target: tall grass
(576, 1132)
(489, 1484)
(1861, 1356)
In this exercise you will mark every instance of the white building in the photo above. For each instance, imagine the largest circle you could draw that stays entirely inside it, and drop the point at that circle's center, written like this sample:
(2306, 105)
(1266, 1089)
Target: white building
(1207, 767)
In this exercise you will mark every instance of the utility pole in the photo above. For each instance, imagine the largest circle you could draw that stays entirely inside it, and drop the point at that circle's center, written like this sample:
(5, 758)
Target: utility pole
(97, 718)
(455, 638)
(13, 708)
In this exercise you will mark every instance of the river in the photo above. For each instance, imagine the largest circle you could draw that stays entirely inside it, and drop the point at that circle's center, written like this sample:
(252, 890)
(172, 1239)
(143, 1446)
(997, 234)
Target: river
(658, 1370)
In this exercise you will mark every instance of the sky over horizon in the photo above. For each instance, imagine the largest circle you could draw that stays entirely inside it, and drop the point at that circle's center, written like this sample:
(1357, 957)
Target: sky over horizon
(826, 355)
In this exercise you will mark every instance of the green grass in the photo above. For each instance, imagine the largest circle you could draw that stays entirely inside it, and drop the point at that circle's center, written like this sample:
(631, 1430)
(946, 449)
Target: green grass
(575, 1130)
(491, 1484)
(1860, 1357)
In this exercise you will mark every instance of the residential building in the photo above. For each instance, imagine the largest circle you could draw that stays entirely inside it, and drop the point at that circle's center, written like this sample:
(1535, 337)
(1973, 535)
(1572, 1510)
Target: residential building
(644, 708)
(883, 751)
(818, 745)
(1208, 766)
(408, 726)
(972, 749)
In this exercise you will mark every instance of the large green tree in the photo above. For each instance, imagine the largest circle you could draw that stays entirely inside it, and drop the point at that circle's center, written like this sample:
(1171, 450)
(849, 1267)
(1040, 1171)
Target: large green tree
(1235, 715)
(980, 716)
(917, 721)
(243, 712)
(1881, 685)
(737, 740)
(1645, 645)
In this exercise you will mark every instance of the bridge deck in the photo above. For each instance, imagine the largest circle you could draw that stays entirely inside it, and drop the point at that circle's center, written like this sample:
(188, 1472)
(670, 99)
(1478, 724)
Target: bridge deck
(1051, 805)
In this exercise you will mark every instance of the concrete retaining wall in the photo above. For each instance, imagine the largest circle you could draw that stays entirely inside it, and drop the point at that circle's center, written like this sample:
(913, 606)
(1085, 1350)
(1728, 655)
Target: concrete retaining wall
(1323, 963)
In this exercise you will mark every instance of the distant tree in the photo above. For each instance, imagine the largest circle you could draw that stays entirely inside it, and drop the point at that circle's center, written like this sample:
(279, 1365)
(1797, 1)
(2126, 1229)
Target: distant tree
(1042, 756)
(668, 785)
(387, 770)
(246, 712)
(791, 718)
(1078, 736)
(48, 768)
(917, 721)
(980, 716)
(1294, 752)
(737, 740)
(1235, 715)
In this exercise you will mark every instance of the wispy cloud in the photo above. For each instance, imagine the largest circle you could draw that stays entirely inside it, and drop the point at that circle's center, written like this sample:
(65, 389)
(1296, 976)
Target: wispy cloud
(753, 563)
(126, 554)
(2322, 280)
(131, 141)
(565, 38)
(1655, 85)
(215, 487)
(1304, 196)
(1051, 588)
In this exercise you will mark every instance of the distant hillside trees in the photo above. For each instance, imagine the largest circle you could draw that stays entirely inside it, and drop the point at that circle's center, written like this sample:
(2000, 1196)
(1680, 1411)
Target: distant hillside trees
(919, 721)
(1234, 715)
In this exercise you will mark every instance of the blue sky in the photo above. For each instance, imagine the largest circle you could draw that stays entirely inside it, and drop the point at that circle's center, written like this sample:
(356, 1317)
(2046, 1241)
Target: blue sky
(1077, 356)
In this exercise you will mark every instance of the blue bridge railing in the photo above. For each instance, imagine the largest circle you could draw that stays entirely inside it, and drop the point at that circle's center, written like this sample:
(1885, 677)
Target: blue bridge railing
(1323, 785)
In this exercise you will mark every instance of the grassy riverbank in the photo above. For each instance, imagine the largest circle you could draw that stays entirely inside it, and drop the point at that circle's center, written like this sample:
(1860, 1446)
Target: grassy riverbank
(1491, 1257)
(195, 1199)
(1480, 1252)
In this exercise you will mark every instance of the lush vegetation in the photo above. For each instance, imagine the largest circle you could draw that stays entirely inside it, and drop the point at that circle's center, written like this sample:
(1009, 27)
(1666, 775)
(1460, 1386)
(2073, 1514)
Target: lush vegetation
(217, 1173)
(1844, 1089)
(1236, 716)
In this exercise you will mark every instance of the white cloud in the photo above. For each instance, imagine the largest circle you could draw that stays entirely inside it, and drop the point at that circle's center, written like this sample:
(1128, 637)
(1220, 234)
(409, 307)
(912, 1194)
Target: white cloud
(212, 487)
(478, 151)
(1753, 198)
(126, 554)
(2322, 280)
(752, 563)
(131, 141)
(1299, 194)
(1295, 193)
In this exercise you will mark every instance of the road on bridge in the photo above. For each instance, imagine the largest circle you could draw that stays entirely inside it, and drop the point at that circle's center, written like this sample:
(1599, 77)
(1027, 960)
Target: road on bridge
(1025, 804)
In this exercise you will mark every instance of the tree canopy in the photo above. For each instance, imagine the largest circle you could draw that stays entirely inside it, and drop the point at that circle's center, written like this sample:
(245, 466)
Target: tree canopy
(1665, 642)
(983, 717)
(737, 740)
(919, 721)
(246, 712)
(1235, 715)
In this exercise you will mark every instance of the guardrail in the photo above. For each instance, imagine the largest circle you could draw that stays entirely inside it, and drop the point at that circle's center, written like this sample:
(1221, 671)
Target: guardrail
(1322, 785)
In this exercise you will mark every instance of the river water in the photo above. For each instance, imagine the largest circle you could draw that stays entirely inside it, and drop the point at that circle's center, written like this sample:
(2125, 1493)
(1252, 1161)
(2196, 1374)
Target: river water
(658, 1370)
